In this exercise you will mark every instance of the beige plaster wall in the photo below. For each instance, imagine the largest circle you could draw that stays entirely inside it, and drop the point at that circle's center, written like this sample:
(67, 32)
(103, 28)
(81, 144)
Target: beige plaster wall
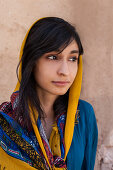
(94, 22)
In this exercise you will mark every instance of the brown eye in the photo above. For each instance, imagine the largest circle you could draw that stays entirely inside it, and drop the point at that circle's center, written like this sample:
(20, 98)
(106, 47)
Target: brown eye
(73, 59)
(52, 57)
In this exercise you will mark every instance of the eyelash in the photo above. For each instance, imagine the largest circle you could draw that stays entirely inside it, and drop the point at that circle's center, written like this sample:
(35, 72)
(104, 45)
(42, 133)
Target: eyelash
(56, 58)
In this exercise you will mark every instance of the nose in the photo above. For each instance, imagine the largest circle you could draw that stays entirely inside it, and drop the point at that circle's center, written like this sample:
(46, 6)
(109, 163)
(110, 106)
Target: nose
(63, 69)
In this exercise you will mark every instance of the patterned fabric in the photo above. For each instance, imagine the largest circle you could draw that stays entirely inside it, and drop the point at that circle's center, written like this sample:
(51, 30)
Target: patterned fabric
(54, 160)
(9, 132)
(82, 152)
(20, 144)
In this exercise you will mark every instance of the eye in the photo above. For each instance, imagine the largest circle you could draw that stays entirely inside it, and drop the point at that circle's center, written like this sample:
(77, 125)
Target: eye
(73, 59)
(52, 57)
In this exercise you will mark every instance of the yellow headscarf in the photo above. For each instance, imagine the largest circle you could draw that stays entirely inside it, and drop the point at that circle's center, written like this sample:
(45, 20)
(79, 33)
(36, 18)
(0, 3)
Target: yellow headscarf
(74, 94)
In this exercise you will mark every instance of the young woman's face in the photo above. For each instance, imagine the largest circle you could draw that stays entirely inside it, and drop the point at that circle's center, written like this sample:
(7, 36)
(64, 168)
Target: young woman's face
(54, 73)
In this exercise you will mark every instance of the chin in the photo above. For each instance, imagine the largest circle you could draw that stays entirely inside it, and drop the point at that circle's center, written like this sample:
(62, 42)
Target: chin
(60, 92)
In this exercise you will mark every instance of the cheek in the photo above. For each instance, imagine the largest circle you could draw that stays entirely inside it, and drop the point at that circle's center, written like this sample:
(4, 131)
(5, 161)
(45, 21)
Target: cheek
(74, 72)
(42, 73)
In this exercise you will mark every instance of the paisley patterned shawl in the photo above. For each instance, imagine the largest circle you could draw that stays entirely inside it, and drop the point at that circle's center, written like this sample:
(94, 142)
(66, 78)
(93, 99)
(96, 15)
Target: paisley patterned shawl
(25, 146)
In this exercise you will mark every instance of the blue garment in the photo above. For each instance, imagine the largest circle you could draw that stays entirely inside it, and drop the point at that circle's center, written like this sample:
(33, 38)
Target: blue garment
(82, 153)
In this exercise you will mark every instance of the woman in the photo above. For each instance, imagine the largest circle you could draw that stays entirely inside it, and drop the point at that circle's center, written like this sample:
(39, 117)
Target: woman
(46, 125)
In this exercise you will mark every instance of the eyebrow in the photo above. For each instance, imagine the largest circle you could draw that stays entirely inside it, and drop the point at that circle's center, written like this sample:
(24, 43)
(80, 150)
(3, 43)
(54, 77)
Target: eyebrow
(74, 51)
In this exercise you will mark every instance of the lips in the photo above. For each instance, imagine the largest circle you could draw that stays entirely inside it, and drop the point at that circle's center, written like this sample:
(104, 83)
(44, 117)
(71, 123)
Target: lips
(60, 83)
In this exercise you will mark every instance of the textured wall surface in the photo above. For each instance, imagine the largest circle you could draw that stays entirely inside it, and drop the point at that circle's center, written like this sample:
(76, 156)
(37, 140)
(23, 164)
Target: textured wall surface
(94, 22)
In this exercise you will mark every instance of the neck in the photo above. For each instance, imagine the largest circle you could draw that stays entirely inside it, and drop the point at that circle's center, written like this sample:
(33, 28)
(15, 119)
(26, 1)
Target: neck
(47, 101)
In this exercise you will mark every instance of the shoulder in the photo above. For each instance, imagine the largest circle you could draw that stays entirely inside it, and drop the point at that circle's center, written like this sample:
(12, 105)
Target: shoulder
(85, 105)
(6, 109)
(88, 119)
(86, 111)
